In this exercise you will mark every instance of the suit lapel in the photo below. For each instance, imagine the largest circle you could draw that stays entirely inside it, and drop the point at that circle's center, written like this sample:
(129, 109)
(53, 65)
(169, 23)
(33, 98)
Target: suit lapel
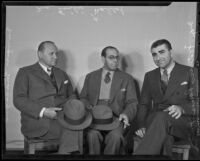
(173, 81)
(57, 77)
(97, 85)
(157, 83)
(116, 81)
(41, 73)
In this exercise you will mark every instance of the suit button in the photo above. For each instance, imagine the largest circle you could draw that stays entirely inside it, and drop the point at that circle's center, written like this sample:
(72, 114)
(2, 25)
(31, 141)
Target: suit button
(177, 93)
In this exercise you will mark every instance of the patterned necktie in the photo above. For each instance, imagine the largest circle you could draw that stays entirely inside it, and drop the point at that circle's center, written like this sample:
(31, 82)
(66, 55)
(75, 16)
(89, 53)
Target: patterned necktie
(164, 79)
(107, 77)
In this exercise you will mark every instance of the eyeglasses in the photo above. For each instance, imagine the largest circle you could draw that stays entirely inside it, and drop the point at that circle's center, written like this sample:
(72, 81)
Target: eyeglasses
(111, 57)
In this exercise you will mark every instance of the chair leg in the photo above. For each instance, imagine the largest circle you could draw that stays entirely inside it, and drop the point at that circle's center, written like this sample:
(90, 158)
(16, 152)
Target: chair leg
(185, 154)
(26, 147)
(80, 141)
(31, 149)
(135, 145)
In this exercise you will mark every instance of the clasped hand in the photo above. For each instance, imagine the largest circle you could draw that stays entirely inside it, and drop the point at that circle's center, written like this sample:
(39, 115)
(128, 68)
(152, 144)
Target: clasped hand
(124, 118)
(51, 112)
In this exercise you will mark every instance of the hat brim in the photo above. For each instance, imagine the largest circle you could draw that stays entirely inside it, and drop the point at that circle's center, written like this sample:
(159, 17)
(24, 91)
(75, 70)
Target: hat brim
(110, 126)
(65, 124)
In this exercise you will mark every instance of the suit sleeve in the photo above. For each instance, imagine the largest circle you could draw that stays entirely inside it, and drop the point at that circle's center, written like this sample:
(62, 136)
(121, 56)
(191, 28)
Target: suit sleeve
(144, 103)
(190, 107)
(131, 100)
(20, 96)
(84, 93)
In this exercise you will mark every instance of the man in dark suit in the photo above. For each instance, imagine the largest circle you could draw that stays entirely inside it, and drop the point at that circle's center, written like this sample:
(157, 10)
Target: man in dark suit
(167, 102)
(39, 92)
(111, 87)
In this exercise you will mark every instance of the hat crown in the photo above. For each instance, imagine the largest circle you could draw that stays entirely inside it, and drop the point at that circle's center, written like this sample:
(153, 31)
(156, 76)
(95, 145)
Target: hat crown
(102, 112)
(74, 115)
(103, 118)
(74, 109)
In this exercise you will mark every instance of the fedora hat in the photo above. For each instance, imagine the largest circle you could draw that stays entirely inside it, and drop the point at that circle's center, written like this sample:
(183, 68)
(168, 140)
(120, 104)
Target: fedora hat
(74, 115)
(103, 118)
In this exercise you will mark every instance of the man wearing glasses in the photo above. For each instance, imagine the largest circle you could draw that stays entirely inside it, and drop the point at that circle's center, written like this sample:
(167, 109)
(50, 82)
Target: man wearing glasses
(113, 88)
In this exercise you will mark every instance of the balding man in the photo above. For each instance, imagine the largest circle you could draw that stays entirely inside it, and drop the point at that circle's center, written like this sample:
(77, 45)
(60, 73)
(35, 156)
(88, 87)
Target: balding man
(39, 92)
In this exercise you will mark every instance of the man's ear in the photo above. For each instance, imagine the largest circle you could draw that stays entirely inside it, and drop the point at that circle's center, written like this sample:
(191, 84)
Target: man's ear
(172, 53)
(39, 54)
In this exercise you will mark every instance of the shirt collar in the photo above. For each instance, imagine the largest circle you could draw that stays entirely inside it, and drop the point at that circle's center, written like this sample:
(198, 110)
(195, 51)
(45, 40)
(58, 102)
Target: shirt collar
(44, 67)
(105, 71)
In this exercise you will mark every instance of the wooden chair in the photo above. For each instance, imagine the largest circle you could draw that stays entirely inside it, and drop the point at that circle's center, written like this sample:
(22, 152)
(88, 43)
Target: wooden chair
(181, 147)
(31, 145)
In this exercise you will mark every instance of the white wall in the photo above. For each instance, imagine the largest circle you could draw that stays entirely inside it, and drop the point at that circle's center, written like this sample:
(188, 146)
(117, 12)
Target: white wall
(81, 33)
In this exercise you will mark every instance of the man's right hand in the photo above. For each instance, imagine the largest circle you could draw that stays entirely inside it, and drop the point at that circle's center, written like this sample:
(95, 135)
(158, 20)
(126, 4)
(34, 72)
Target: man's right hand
(141, 132)
(51, 112)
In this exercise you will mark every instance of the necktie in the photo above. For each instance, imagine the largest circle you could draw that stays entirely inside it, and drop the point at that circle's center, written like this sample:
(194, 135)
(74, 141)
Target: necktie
(107, 77)
(164, 80)
(49, 71)
(52, 77)
(164, 77)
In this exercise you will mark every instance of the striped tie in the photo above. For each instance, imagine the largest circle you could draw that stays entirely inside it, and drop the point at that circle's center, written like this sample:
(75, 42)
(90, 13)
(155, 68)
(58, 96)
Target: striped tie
(164, 80)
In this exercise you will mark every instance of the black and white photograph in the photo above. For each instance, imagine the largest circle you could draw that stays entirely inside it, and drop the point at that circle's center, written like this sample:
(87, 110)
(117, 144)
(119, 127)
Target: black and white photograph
(100, 80)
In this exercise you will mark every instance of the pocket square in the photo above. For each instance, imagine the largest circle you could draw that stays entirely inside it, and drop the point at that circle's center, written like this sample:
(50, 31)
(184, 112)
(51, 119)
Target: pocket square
(184, 83)
(65, 82)
(123, 89)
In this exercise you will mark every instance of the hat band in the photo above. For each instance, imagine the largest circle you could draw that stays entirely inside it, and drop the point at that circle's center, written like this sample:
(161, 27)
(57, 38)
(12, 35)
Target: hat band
(103, 121)
(75, 122)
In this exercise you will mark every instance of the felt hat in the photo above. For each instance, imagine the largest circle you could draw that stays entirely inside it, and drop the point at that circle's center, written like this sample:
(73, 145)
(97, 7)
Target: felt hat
(103, 118)
(74, 115)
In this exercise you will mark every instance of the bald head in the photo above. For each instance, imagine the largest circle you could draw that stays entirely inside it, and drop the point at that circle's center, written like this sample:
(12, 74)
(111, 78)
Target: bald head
(47, 53)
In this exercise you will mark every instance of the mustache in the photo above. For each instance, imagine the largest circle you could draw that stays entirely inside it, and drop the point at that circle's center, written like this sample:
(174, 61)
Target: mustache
(160, 61)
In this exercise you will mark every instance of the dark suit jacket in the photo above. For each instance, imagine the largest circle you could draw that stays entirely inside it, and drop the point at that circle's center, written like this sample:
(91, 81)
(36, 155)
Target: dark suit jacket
(33, 90)
(181, 90)
(123, 98)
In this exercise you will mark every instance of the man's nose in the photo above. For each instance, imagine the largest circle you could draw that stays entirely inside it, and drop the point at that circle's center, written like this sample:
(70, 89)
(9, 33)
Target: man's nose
(55, 56)
(115, 59)
(158, 57)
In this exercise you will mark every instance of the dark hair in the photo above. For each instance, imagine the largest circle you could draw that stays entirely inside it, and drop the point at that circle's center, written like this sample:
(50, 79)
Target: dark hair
(161, 42)
(103, 53)
(41, 46)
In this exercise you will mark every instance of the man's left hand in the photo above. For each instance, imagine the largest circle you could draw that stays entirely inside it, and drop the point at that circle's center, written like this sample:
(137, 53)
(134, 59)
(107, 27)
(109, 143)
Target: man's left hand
(124, 118)
(175, 111)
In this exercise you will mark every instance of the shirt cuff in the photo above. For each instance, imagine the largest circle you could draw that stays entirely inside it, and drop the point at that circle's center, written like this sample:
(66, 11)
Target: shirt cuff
(42, 112)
